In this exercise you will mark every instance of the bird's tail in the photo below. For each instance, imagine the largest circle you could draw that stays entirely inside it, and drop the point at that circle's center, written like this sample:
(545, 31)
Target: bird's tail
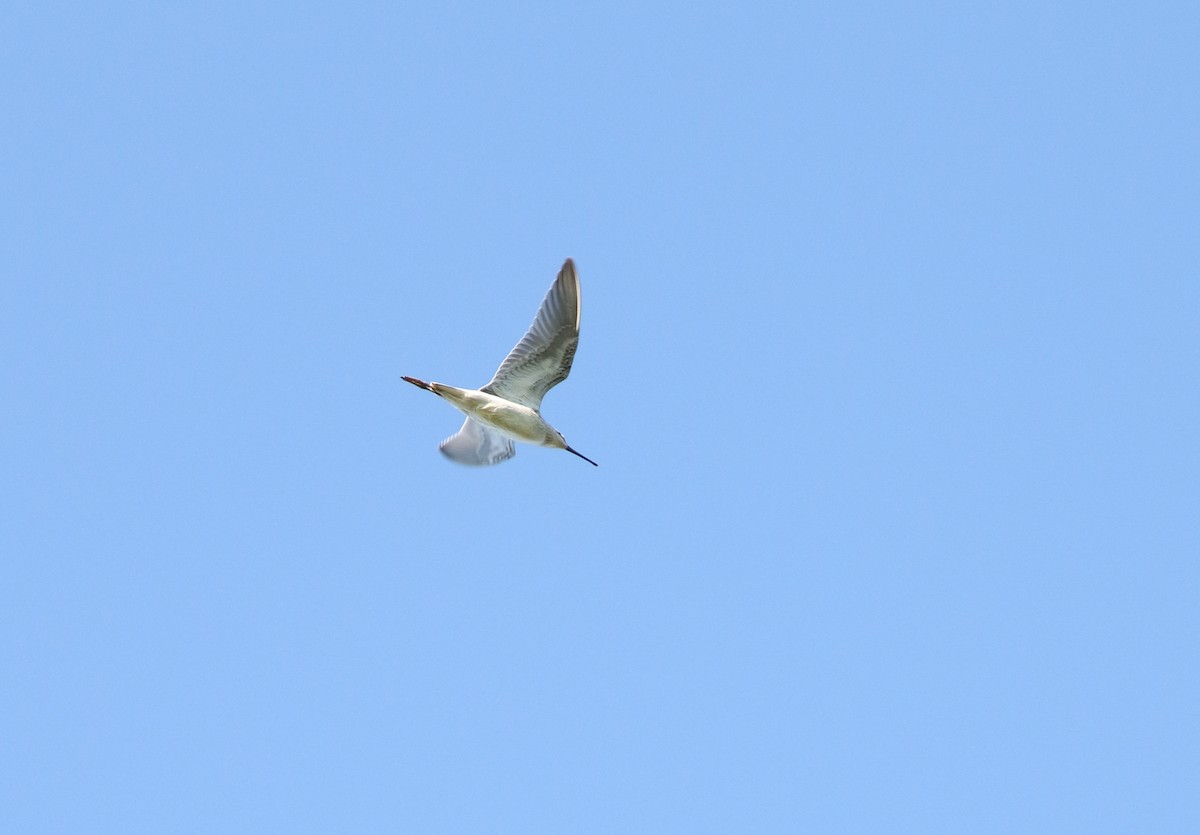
(421, 384)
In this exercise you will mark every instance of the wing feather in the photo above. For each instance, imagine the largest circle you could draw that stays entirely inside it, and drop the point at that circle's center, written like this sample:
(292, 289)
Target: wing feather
(478, 446)
(543, 357)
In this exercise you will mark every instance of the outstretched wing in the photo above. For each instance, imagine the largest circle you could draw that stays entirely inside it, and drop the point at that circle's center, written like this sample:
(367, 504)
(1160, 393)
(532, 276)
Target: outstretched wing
(477, 445)
(542, 359)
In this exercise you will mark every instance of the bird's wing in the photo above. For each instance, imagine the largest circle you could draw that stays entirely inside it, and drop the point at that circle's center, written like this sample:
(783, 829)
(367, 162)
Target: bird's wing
(477, 445)
(542, 359)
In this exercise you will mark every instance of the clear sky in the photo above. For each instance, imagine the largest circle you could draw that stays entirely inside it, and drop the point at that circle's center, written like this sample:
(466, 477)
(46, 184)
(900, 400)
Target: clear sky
(889, 359)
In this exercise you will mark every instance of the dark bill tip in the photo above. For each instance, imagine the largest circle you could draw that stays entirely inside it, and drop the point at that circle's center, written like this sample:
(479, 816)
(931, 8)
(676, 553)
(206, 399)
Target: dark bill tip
(584, 457)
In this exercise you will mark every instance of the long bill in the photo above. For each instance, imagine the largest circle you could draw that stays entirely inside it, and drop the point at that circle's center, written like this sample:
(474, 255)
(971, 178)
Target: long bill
(584, 457)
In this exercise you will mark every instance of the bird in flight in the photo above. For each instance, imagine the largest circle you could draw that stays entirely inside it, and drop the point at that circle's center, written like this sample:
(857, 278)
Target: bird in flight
(508, 408)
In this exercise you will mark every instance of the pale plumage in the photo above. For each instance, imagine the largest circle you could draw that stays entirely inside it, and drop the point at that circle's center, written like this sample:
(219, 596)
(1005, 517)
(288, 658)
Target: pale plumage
(508, 407)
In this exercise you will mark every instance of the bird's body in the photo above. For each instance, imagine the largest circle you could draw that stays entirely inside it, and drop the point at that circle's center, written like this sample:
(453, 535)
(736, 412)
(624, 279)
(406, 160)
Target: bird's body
(512, 420)
(508, 408)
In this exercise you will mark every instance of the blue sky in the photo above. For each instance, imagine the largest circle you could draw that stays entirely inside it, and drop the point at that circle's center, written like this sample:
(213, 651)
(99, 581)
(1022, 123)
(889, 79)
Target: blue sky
(889, 360)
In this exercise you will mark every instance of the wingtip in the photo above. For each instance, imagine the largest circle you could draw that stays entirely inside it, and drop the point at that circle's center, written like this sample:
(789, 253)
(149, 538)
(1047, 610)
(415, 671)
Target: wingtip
(568, 269)
(568, 273)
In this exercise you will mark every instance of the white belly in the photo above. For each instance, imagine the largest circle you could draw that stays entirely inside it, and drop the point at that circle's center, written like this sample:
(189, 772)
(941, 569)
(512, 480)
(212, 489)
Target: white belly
(512, 420)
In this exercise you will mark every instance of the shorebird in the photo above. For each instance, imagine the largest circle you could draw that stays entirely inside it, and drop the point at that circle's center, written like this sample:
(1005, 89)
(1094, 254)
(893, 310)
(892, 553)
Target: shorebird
(508, 408)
